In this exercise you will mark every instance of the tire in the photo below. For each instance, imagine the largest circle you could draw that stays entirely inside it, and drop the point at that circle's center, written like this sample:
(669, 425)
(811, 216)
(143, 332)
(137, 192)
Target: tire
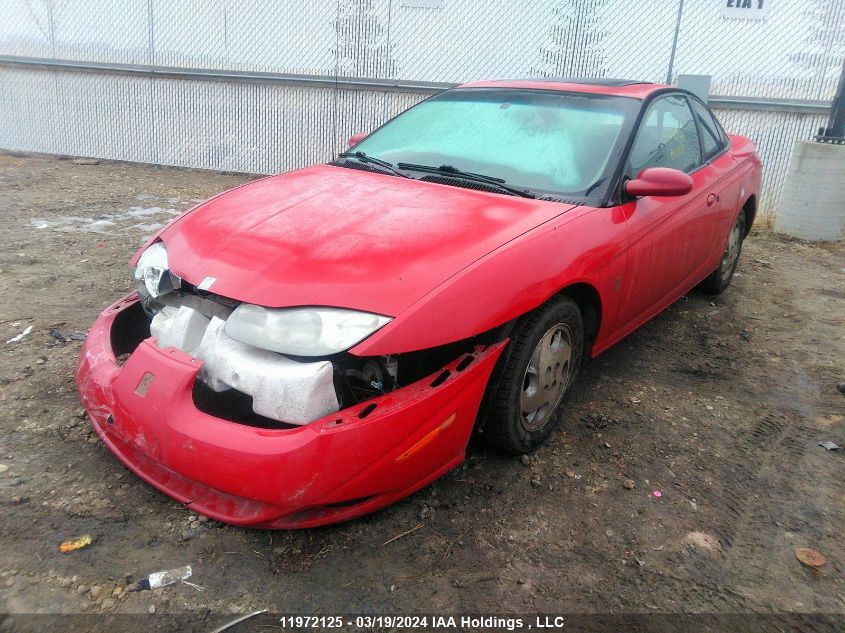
(535, 377)
(719, 280)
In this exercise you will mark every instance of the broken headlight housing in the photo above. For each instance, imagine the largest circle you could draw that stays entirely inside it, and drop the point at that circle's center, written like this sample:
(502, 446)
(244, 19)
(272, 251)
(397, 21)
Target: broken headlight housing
(302, 331)
(152, 274)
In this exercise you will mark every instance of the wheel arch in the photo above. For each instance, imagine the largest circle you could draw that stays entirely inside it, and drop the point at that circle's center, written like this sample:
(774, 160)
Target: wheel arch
(749, 208)
(589, 301)
(584, 294)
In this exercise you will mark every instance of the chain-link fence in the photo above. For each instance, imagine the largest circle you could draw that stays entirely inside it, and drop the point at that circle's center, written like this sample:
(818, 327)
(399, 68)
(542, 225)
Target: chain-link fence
(259, 86)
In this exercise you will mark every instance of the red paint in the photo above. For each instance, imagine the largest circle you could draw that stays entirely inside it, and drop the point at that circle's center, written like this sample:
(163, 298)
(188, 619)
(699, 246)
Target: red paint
(638, 91)
(334, 236)
(447, 263)
(659, 181)
(274, 478)
(356, 138)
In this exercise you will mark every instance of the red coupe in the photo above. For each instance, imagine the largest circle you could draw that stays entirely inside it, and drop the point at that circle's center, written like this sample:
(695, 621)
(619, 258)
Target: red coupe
(312, 346)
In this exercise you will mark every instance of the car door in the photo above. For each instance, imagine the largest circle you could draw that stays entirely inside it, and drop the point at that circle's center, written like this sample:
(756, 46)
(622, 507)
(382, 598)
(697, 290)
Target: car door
(714, 145)
(670, 238)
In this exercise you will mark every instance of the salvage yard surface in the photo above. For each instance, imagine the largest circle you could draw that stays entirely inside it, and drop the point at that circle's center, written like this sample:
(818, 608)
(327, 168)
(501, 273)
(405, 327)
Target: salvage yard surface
(682, 479)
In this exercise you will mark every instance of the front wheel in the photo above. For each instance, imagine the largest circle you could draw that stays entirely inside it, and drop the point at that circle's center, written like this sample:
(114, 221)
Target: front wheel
(718, 281)
(536, 377)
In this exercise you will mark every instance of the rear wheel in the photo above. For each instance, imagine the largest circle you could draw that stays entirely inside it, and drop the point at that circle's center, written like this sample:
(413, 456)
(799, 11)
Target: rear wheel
(536, 377)
(720, 279)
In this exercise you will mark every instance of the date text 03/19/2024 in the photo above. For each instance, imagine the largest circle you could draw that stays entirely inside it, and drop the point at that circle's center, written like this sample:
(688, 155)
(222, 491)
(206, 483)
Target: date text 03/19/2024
(489, 622)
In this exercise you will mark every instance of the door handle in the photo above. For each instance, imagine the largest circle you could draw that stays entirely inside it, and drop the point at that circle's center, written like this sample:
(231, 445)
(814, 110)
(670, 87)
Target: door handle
(712, 199)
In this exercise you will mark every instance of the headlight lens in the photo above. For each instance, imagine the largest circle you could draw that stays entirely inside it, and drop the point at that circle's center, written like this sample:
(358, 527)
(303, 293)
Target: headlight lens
(152, 272)
(302, 331)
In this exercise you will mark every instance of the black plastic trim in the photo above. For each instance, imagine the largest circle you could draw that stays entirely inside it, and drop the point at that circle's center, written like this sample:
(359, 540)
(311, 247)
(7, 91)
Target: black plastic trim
(723, 137)
(615, 193)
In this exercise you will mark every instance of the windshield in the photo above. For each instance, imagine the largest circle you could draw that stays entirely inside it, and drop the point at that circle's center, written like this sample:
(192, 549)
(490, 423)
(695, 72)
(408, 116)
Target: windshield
(546, 141)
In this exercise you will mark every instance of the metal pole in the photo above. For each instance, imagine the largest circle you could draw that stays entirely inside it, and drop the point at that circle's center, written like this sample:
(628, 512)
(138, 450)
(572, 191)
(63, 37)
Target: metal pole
(51, 28)
(151, 53)
(675, 42)
(835, 130)
(385, 98)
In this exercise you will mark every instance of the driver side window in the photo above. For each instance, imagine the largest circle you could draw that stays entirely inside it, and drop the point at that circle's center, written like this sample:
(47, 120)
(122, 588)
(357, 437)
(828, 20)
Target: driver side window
(667, 138)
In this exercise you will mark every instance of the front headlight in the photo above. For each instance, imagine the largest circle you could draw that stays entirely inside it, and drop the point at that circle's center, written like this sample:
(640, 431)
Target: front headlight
(302, 331)
(152, 272)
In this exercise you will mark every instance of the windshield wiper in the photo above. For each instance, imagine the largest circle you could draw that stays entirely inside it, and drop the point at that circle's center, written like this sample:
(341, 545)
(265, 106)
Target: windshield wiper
(365, 158)
(449, 170)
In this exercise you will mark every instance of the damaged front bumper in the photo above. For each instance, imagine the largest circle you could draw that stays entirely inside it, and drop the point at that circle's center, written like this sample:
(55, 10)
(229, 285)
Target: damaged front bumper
(335, 468)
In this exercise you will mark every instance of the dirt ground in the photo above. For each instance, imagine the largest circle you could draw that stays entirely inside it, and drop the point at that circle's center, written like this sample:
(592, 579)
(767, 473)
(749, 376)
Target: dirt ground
(716, 405)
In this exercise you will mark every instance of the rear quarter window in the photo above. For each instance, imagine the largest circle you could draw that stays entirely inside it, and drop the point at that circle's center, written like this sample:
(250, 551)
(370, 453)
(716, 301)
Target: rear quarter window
(712, 141)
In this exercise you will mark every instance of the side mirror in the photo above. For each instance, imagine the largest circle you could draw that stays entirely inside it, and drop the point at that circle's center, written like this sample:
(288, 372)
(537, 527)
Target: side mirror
(356, 138)
(659, 181)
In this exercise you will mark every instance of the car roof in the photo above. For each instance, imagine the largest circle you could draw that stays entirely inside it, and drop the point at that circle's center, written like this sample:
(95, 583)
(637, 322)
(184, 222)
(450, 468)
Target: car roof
(618, 87)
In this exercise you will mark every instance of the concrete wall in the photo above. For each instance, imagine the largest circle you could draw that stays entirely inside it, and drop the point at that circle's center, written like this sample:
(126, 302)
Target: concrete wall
(813, 202)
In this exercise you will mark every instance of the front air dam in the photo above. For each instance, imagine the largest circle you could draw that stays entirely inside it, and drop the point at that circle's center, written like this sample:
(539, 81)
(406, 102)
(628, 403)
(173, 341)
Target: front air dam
(338, 467)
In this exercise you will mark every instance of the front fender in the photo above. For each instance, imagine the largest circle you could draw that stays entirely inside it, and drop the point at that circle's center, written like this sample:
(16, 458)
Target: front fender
(585, 245)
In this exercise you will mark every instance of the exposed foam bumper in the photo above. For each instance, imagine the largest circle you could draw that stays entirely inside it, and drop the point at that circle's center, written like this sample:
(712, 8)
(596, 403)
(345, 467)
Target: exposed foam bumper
(336, 468)
(282, 389)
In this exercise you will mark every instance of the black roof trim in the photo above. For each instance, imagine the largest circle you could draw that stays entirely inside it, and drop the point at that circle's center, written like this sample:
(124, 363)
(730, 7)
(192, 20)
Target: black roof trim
(590, 81)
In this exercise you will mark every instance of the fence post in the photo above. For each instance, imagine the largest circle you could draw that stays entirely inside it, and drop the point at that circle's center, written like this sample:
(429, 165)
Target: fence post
(51, 29)
(151, 82)
(675, 42)
(835, 130)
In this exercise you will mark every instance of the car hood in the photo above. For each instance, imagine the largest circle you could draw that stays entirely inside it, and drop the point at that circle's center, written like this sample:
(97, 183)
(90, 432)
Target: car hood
(334, 236)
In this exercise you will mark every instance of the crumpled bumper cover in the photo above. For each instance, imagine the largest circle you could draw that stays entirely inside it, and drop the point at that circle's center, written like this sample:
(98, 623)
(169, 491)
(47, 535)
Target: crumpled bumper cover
(338, 467)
